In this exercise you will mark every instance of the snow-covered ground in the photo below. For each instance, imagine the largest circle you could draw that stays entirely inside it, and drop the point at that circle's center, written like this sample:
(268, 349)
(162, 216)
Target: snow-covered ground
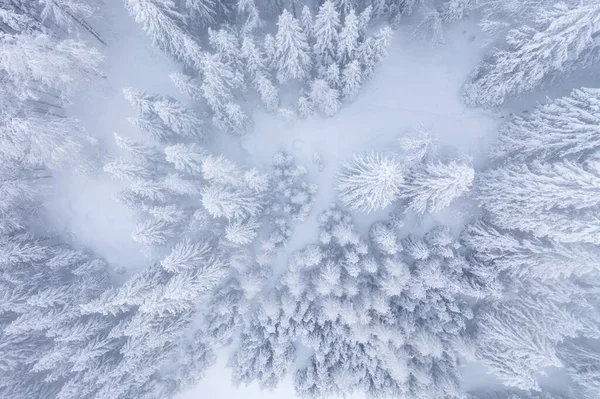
(417, 84)
(83, 207)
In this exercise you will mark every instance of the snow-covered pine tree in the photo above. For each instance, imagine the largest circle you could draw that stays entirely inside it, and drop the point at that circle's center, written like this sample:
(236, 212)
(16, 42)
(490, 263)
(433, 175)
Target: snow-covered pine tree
(253, 56)
(517, 339)
(349, 39)
(455, 10)
(523, 256)
(37, 64)
(374, 324)
(371, 182)
(155, 309)
(562, 39)
(166, 26)
(256, 66)
(582, 361)
(373, 50)
(498, 17)
(159, 182)
(418, 145)
(226, 44)
(324, 97)
(206, 11)
(290, 200)
(219, 81)
(433, 186)
(351, 79)
(250, 14)
(326, 32)
(394, 10)
(163, 117)
(40, 75)
(44, 281)
(307, 22)
(570, 126)
(554, 200)
(292, 55)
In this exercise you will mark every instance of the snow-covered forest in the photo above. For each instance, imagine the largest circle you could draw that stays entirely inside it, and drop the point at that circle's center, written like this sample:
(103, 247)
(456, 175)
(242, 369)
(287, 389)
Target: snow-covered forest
(300, 199)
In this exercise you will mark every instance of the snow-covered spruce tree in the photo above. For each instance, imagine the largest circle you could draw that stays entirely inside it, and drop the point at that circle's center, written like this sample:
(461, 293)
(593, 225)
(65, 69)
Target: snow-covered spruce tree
(518, 339)
(155, 309)
(164, 118)
(582, 361)
(259, 74)
(206, 11)
(374, 323)
(326, 33)
(538, 239)
(324, 97)
(48, 15)
(166, 26)
(430, 25)
(40, 75)
(373, 50)
(160, 181)
(290, 200)
(199, 211)
(292, 58)
(349, 38)
(330, 66)
(455, 10)
(433, 186)
(418, 145)
(497, 17)
(43, 282)
(517, 255)
(394, 10)
(569, 125)
(370, 182)
(555, 200)
(562, 39)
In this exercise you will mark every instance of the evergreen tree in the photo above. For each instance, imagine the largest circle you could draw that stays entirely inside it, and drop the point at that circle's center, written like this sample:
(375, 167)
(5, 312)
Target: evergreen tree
(528, 257)
(324, 97)
(165, 116)
(249, 10)
(374, 323)
(569, 125)
(205, 10)
(349, 39)
(455, 10)
(582, 361)
(351, 79)
(326, 31)
(560, 41)
(434, 186)
(373, 50)
(553, 200)
(306, 21)
(370, 182)
(291, 57)
(167, 28)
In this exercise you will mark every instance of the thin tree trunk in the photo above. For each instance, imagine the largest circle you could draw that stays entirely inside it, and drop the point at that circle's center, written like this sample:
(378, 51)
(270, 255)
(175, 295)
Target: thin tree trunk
(86, 26)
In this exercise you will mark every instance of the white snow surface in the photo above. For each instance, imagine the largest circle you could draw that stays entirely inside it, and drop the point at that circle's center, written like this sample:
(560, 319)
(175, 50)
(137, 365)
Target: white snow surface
(82, 206)
(416, 84)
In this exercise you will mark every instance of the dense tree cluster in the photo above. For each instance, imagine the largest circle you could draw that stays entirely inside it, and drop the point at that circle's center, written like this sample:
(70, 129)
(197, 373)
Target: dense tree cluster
(419, 176)
(329, 55)
(386, 316)
(538, 237)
